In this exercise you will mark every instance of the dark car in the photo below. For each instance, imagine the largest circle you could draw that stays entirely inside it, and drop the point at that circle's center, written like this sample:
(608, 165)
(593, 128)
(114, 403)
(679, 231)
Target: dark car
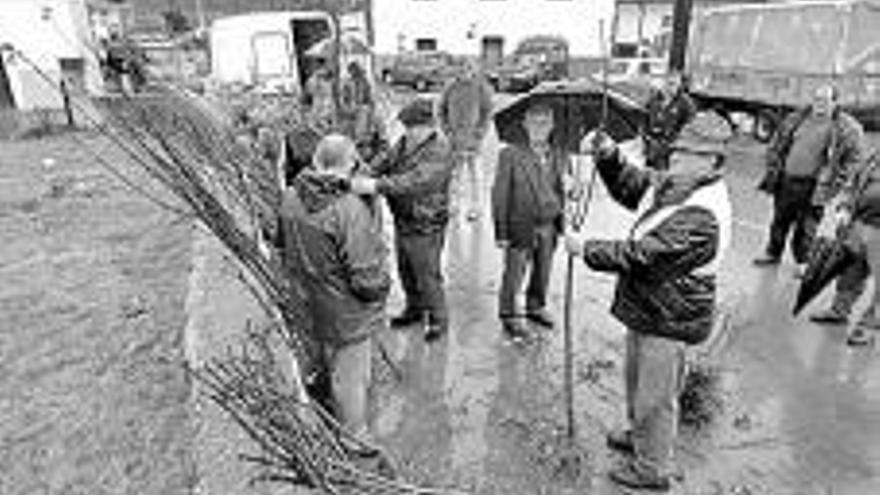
(536, 59)
(421, 70)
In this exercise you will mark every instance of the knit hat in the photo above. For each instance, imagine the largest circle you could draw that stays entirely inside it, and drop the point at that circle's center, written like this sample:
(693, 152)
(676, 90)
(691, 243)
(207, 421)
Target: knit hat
(419, 112)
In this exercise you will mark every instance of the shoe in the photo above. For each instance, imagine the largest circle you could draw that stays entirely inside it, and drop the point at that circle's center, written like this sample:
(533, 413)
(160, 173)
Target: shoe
(541, 317)
(766, 260)
(621, 441)
(629, 477)
(405, 319)
(515, 330)
(829, 317)
(435, 330)
(859, 337)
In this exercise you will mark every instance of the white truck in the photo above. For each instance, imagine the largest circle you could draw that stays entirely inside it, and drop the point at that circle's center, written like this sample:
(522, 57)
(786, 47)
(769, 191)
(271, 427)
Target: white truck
(767, 59)
(267, 50)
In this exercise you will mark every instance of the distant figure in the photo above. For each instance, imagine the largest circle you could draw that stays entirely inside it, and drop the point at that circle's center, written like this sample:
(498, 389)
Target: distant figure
(527, 210)
(318, 96)
(813, 153)
(464, 112)
(414, 177)
(361, 120)
(670, 108)
(332, 244)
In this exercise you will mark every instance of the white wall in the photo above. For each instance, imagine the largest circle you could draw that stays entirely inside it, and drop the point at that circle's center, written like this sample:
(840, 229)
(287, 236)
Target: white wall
(46, 31)
(451, 21)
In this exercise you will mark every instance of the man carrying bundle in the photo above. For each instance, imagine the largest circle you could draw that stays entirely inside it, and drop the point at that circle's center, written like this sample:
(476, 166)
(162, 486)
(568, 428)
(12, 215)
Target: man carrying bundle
(665, 294)
(414, 176)
(332, 245)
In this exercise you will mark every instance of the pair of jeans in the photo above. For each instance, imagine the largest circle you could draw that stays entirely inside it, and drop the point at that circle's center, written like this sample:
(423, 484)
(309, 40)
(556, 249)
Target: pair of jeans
(517, 261)
(654, 373)
(421, 273)
(793, 209)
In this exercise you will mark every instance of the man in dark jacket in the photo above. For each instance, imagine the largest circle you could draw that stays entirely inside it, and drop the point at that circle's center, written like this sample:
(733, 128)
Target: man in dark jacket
(813, 153)
(414, 177)
(332, 243)
(665, 292)
(670, 108)
(527, 201)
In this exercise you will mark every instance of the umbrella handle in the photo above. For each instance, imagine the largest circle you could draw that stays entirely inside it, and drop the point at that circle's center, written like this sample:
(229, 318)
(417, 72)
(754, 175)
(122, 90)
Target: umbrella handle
(568, 350)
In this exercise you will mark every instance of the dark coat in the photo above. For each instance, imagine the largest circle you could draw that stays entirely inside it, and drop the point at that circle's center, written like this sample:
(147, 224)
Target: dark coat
(518, 205)
(844, 155)
(415, 179)
(332, 244)
(464, 111)
(658, 292)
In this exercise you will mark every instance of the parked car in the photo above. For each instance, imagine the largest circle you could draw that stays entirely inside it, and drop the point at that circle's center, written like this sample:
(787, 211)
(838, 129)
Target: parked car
(421, 70)
(634, 69)
(536, 59)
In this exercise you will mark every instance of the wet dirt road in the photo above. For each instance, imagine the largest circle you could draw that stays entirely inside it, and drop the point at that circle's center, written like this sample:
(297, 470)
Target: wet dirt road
(472, 412)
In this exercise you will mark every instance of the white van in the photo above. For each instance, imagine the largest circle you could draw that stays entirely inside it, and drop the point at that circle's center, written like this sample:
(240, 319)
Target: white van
(267, 50)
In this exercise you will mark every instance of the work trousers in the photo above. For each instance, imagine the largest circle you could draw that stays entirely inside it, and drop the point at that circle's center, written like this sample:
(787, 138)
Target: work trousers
(350, 371)
(654, 373)
(793, 210)
(852, 282)
(421, 274)
(517, 261)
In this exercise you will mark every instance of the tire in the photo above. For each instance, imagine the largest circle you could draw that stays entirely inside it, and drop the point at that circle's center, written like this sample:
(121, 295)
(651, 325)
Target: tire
(421, 85)
(766, 122)
(386, 77)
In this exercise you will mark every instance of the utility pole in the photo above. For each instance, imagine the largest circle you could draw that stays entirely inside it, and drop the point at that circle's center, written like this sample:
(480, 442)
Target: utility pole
(681, 22)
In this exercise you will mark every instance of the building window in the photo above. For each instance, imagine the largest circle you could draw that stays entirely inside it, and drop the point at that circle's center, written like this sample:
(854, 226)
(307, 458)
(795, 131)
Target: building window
(426, 44)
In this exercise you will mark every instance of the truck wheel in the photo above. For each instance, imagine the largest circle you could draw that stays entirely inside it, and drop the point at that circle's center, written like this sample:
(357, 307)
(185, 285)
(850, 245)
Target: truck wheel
(386, 77)
(421, 85)
(765, 125)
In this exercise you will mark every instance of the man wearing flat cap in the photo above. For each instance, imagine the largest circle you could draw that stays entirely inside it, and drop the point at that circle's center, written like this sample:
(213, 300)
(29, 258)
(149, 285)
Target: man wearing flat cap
(414, 176)
(666, 270)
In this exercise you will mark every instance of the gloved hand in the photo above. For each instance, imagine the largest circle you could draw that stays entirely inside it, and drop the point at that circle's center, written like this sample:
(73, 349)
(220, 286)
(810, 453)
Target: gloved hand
(365, 186)
(574, 244)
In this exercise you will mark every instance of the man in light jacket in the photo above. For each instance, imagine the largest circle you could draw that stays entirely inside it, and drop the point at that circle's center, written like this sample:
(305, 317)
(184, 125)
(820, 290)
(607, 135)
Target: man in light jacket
(464, 113)
(666, 277)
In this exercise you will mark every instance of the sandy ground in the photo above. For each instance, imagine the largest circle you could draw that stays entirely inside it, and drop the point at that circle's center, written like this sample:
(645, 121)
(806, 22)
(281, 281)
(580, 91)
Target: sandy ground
(93, 397)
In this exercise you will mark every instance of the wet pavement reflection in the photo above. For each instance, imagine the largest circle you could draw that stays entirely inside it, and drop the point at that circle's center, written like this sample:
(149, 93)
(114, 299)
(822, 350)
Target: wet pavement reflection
(476, 413)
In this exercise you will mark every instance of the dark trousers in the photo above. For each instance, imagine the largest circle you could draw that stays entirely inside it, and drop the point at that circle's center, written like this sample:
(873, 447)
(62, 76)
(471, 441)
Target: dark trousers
(793, 209)
(418, 264)
(517, 261)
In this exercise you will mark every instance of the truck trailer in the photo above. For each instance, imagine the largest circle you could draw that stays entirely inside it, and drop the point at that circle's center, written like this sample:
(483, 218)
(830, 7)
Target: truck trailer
(765, 60)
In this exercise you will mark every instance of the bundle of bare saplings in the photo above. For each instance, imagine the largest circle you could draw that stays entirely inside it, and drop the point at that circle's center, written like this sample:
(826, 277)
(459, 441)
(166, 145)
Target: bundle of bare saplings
(181, 142)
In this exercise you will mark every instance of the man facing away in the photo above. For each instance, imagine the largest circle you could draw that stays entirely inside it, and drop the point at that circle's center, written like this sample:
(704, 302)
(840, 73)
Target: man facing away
(527, 206)
(814, 151)
(666, 276)
(332, 244)
(464, 112)
(414, 177)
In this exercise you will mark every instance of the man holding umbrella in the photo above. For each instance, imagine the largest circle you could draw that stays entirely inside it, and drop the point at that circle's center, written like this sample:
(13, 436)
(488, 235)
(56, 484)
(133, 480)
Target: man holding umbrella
(665, 293)
(527, 208)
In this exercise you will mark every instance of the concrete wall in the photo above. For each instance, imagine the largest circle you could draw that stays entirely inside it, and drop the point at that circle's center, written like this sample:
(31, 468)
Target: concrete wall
(460, 25)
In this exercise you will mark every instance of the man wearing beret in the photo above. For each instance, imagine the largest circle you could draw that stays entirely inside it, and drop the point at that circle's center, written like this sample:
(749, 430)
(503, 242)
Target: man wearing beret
(666, 270)
(414, 176)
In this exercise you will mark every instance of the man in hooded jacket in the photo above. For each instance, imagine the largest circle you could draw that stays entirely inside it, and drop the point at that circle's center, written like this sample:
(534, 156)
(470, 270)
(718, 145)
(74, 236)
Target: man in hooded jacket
(666, 277)
(333, 246)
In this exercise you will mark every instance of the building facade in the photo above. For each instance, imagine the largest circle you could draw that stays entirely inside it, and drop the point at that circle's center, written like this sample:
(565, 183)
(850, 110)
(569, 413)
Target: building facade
(488, 27)
(56, 43)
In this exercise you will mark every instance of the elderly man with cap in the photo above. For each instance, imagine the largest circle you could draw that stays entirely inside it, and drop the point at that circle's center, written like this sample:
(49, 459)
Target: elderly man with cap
(527, 200)
(414, 176)
(332, 245)
(666, 276)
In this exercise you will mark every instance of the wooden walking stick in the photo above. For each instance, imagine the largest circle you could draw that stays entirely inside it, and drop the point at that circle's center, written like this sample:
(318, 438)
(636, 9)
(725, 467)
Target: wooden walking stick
(577, 215)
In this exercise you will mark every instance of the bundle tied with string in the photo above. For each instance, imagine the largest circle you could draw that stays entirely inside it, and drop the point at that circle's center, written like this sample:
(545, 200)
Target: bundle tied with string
(182, 143)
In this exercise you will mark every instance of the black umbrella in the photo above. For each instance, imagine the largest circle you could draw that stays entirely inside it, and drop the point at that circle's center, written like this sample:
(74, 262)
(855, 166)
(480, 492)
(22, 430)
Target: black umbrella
(577, 107)
(828, 259)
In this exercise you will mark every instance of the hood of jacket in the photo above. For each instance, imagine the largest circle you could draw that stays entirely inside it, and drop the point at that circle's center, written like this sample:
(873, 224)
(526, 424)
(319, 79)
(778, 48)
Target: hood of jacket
(317, 190)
